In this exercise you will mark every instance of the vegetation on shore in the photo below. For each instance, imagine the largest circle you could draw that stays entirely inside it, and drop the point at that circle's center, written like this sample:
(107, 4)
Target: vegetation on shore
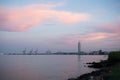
(114, 74)
(109, 69)
(114, 56)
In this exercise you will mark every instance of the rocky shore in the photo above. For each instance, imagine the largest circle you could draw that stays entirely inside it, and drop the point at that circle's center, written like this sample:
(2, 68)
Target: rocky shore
(108, 69)
(95, 75)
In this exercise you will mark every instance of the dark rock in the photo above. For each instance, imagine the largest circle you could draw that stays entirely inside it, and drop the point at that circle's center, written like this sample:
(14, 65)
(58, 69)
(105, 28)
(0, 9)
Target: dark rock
(97, 75)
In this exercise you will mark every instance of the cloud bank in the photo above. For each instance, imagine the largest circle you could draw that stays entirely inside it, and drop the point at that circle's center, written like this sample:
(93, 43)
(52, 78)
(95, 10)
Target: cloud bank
(24, 18)
(109, 32)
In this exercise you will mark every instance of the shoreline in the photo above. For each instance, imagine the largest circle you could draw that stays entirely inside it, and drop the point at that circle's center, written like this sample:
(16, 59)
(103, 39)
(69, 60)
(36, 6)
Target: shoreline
(108, 69)
(94, 75)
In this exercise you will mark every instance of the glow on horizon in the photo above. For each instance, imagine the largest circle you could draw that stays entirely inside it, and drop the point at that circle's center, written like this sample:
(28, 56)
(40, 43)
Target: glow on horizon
(39, 24)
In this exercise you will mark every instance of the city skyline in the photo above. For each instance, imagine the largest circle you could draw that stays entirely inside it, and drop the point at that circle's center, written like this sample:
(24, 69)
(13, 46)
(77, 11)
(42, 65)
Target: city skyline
(59, 25)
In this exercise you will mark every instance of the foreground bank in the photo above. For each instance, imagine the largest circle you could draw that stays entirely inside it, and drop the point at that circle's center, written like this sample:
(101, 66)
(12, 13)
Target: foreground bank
(108, 70)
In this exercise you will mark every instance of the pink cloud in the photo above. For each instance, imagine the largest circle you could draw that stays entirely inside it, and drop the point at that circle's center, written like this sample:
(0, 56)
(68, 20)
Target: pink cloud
(94, 36)
(107, 32)
(86, 38)
(21, 19)
(71, 18)
(111, 28)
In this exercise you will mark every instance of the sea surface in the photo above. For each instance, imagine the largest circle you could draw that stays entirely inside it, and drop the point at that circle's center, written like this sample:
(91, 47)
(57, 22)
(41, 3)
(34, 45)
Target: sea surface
(45, 67)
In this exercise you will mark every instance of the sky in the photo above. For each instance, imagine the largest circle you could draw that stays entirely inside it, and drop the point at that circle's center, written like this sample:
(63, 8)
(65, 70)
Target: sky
(58, 25)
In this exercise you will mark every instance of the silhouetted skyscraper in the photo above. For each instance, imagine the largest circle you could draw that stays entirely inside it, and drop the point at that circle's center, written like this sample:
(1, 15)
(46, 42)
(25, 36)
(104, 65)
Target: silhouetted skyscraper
(79, 48)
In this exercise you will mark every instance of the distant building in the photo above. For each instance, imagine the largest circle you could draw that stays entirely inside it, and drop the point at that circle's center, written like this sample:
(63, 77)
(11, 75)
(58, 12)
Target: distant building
(36, 52)
(79, 48)
(99, 52)
(48, 52)
(94, 53)
(31, 52)
(24, 51)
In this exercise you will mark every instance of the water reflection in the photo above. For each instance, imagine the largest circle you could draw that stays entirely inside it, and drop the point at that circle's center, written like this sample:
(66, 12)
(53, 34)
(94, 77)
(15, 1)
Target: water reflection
(79, 57)
(44, 67)
(79, 64)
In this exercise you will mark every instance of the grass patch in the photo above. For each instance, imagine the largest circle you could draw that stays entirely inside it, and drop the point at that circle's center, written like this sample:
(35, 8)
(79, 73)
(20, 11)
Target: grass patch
(114, 73)
(114, 56)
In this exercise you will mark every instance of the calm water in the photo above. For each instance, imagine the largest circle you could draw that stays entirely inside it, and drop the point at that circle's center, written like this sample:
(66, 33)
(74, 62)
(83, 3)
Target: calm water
(45, 67)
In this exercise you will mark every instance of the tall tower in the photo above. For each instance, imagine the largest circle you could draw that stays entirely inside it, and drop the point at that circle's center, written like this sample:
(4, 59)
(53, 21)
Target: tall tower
(79, 48)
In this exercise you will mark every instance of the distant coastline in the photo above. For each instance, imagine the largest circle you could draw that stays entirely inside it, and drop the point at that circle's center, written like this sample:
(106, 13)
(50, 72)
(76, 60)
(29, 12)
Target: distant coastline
(56, 54)
(99, 52)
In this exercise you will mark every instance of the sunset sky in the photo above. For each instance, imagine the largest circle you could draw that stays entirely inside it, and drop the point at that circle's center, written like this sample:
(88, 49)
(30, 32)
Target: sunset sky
(58, 25)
